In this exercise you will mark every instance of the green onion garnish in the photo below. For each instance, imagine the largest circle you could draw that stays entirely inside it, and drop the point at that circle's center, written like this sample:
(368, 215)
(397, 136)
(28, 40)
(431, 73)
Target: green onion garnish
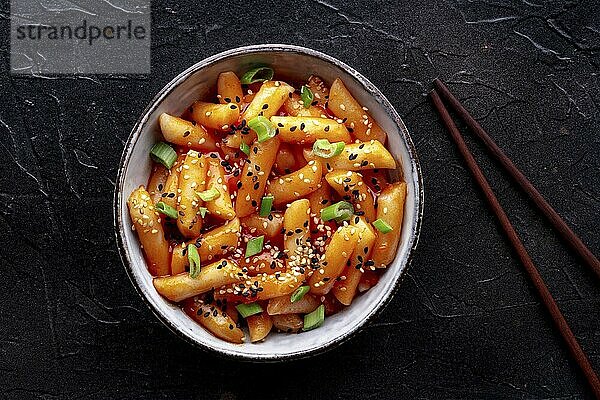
(245, 148)
(299, 293)
(209, 195)
(307, 96)
(322, 148)
(166, 209)
(314, 319)
(247, 310)
(340, 211)
(194, 260)
(258, 74)
(203, 211)
(264, 128)
(254, 246)
(382, 226)
(164, 154)
(265, 205)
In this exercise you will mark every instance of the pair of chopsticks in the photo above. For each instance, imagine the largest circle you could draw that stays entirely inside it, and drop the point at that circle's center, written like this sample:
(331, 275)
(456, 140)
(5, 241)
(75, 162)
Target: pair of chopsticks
(565, 232)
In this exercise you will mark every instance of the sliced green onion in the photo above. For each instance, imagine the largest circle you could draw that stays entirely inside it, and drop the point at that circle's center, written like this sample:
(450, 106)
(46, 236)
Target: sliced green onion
(314, 319)
(264, 128)
(247, 310)
(265, 205)
(340, 211)
(382, 226)
(209, 195)
(164, 154)
(299, 293)
(166, 209)
(307, 96)
(257, 74)
(194, 260)
(203, 211)
(254, 246)
(322, 148)
(245, 148)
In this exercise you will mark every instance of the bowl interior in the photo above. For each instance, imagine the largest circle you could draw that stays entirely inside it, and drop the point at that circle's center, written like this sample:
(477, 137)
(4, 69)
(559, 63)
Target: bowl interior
(196, 83)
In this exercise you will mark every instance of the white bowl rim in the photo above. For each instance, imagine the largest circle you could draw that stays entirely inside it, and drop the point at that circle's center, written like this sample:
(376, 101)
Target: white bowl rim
(416, 177)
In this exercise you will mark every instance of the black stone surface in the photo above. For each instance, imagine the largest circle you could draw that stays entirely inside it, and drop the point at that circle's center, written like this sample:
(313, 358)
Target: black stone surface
(466, 322)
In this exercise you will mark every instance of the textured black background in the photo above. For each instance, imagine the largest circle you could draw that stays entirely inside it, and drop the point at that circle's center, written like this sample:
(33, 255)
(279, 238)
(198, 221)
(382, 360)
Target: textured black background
(465, 324)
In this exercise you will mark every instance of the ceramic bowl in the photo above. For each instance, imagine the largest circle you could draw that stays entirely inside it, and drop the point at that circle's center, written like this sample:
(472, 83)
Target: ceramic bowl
(195, 83)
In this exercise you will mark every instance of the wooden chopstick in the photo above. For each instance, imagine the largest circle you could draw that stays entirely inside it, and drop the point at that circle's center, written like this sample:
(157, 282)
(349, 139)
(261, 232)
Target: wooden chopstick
(559, 224)
(516, 243)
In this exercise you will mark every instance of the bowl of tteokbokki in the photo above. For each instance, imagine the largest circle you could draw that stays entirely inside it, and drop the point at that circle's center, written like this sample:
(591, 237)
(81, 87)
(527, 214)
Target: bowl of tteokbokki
(268, 202)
